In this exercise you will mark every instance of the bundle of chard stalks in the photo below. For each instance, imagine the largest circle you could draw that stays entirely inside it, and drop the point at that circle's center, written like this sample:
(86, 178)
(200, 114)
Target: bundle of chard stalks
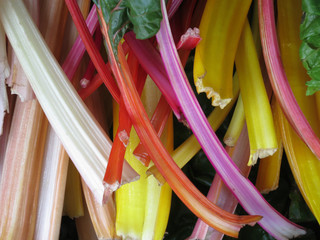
(106, 83)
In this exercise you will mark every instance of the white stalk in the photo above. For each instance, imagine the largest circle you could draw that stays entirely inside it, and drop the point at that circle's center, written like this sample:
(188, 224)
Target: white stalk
(4, 73)
(84, 140)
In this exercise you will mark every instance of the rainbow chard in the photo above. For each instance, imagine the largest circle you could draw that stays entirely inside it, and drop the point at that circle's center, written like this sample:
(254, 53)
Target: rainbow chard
(200, 205)
(278, 79)
(248, 196)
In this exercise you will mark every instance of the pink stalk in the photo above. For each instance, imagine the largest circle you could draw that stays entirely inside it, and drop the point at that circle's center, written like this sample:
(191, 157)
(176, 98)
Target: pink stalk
(92, 49)
(278, 79)
(144, 52)
(246, 193)
(219, 193)
(74, 57)
(90, 68)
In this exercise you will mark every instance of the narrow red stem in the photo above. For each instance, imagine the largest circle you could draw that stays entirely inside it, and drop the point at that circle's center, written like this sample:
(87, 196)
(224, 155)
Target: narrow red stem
(92, 49)
(113, 174)
(158, 121)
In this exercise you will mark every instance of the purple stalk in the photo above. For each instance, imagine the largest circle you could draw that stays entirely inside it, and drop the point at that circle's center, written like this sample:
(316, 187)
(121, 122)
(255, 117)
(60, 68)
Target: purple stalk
(220, 194)
(278, 79)
(246, 193)
(152, 63)
(74, 57)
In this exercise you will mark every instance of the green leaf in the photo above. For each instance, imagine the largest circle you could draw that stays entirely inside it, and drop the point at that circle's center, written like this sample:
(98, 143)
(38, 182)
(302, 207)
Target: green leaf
(121, 16)
(310, 47)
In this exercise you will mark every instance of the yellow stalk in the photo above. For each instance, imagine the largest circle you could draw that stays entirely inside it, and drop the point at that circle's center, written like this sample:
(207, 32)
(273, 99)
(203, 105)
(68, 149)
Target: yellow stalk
(220, 29)
(21, 172)
(269, 167)
(304, 165)
(73, 204)
(257, 109)
(236, 124)
(183, 154)
(139, 203)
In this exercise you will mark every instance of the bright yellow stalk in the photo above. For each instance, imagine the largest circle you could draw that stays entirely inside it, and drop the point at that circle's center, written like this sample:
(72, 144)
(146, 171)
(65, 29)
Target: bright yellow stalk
(220, 29)
(139, 203)
(236, 124)
(183, 154)
(269, 167)
(262, 137)
(304, 165)
(73, 204)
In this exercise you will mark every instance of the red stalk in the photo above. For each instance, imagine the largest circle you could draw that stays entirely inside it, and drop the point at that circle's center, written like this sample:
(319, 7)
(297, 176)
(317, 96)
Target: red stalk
(278, 79)
(92, 49)
(158, 121)
(90, 68)
(113, 174)
(223, 221)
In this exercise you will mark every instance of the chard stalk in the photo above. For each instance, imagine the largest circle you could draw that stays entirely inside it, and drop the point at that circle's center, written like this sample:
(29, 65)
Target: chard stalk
(256, 105)
(158, 120)
(236, 124)
(196, 202)
(87, 146)
(4, 73)
(186, 151)
(220, 29)
(92, 49)
(269, 167)
(304, 165)
(219, 193)
(144, 51)
(250, 199)
(278, 79)
(140, 203)
(20, 178)
(113, 174)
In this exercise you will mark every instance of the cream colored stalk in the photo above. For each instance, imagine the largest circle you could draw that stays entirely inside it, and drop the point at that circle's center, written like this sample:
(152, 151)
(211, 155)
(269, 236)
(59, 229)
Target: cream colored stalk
(84, 140)
(220, 30)
(52, 188)
(269, 167)
(102, 216)
(304, 164)
(257, 109)
(4, 73)
(236, 124)
(143, 206)
(17, 80)
(21, 172)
